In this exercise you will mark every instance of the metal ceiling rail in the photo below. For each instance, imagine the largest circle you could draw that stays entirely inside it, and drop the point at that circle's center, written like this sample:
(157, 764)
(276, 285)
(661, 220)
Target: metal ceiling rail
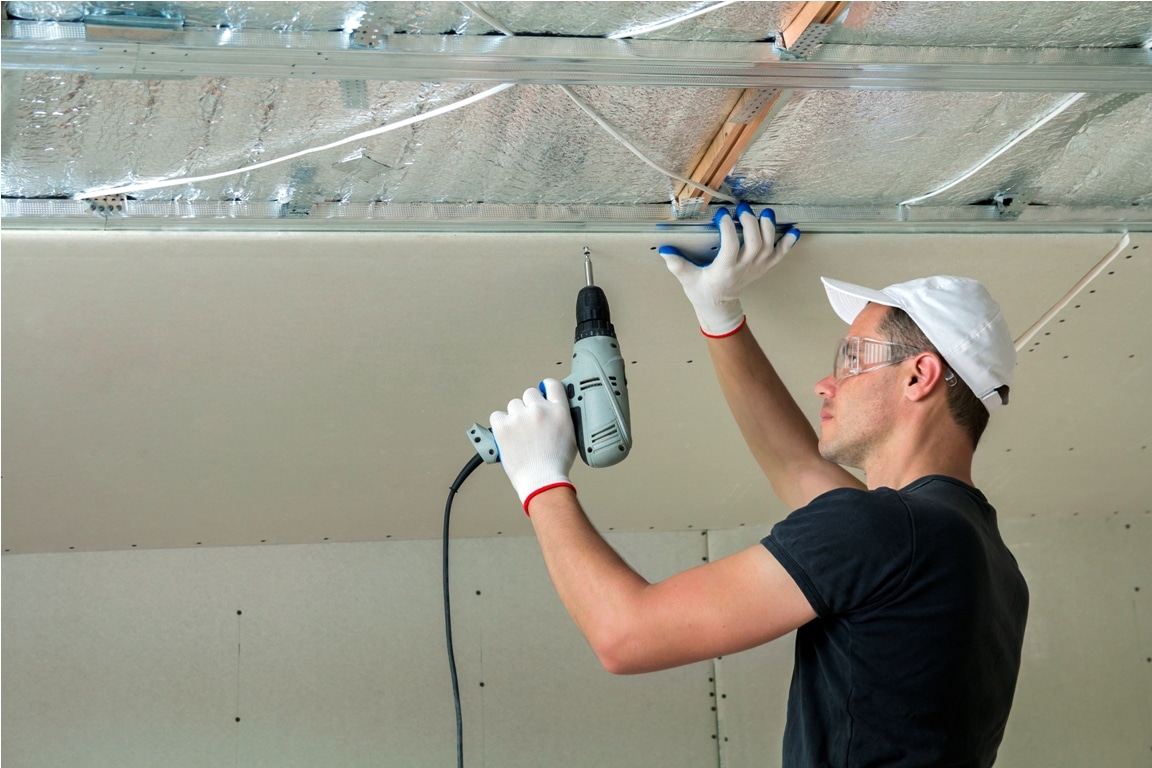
(655, 219)
(570, 61)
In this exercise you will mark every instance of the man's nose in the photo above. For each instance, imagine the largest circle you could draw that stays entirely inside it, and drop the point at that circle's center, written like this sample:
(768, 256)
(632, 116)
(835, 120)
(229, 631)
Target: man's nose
(826, 387)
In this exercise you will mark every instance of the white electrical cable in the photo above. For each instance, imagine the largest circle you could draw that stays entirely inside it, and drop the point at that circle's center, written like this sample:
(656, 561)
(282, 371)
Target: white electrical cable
(366, 134)
(636, 151)
(1092, 273)
(611, 129)
(1043, 121)
(494, 23)
(633, 32)
(126, 189)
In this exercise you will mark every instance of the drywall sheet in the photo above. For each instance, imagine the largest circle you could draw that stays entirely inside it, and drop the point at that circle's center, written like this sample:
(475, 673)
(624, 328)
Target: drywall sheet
(544, 699)
(1085, 691)
(166, 390)
(328, 655)
(751, 687)
(333, 654)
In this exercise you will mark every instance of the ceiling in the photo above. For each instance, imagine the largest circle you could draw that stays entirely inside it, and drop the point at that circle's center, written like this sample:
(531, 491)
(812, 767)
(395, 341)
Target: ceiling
(264, 263)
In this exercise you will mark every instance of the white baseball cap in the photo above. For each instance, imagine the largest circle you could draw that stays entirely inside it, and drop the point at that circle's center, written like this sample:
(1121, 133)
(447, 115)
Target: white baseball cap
(958, 316)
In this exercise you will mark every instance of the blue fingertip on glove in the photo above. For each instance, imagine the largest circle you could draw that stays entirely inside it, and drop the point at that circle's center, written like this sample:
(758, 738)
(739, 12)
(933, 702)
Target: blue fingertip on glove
(742, 208)
(720, 212)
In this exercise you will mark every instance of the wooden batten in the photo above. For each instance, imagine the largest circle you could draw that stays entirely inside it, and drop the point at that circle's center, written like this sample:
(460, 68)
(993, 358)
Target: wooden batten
(729, 143)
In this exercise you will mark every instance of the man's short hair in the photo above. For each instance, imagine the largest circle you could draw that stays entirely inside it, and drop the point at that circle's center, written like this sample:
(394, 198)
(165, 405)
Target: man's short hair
(965, 408)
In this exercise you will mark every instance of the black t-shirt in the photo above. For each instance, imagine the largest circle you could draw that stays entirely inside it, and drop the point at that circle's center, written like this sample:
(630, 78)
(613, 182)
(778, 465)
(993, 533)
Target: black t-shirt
(913, 657)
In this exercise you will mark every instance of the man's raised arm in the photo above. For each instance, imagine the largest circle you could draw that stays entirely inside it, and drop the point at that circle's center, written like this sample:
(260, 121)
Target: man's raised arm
(776, 431)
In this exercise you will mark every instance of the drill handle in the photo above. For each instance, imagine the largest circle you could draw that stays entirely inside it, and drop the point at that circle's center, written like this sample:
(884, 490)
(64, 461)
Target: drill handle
(484, 443)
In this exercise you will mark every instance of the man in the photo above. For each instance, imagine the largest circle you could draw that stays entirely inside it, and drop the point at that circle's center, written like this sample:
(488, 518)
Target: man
(909, 608)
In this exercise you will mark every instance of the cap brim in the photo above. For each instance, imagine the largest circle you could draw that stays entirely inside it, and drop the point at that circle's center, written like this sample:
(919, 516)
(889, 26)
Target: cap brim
(848, 299)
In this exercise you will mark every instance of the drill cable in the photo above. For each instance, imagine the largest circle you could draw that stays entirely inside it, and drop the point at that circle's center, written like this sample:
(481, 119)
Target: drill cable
(474, 462)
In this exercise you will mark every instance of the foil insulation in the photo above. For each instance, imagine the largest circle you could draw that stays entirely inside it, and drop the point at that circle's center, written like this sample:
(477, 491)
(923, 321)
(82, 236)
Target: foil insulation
(68, 133)
(65, 133)
(1009, 24)
(739, 22)
(878, 147)
(885, 147)
(1103, 157)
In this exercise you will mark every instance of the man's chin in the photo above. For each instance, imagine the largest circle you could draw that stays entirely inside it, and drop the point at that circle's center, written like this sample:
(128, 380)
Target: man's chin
(827, 450)
(835, 454)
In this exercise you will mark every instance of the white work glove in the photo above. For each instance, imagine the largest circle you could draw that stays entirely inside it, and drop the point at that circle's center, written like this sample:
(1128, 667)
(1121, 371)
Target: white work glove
(714, 288)
(536, 440)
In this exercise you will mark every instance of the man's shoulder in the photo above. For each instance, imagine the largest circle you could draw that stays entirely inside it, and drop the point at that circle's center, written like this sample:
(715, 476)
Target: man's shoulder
(850, 498)
(849, 515)
(927, 488)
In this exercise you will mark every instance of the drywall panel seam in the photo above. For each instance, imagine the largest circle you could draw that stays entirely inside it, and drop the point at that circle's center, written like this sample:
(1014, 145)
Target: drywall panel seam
(719, 694)
(466, 217)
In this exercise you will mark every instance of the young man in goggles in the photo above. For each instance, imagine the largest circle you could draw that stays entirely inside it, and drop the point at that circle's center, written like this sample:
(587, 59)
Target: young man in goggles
(908, 608)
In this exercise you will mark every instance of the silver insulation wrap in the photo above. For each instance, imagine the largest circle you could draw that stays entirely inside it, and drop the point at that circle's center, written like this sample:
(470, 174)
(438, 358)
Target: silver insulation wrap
(65, 133)
(527, 144)
(885, 147)
(986, 24)
(739, 22)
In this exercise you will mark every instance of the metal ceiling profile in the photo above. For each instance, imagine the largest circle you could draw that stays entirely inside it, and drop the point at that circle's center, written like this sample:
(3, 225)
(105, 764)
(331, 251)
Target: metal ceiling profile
(828, 112)
(578, 61)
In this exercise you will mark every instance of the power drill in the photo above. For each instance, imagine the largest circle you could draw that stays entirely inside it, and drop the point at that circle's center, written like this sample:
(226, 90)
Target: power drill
(597, 388)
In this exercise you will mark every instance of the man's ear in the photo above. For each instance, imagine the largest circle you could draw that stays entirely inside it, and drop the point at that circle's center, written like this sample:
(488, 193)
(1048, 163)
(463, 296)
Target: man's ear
(927, 374)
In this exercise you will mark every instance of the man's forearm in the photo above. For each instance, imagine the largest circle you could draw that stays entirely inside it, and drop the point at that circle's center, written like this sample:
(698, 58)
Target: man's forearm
(715, 608)
(592, 580)
(775, 429)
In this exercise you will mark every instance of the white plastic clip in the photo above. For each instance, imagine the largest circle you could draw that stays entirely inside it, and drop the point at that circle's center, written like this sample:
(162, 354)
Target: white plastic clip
(108, 205)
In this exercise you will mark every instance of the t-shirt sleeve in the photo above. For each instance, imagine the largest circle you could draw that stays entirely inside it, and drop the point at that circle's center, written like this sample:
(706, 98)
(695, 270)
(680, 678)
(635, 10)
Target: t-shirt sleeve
(847, 549)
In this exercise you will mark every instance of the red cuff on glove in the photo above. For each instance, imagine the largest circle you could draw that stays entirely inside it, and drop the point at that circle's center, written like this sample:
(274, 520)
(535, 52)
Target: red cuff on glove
(734, 331)
(539, 491)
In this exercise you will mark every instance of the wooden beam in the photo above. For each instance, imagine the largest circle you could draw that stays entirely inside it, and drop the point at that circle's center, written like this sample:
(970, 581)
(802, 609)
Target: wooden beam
(811, 13)
(720, 156)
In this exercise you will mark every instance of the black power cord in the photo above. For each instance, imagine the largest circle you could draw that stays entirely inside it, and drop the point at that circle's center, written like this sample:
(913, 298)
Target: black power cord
(474, 462)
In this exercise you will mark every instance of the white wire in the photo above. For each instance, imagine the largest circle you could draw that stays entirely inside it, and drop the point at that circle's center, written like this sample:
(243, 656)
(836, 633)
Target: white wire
(126, 189)
(366, 134)
(636, 151)
(494, 23)
(1043, 121)
(670, 22)
(611, 129)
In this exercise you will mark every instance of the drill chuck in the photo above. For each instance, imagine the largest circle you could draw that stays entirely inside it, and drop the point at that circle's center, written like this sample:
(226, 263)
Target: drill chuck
(593, 318)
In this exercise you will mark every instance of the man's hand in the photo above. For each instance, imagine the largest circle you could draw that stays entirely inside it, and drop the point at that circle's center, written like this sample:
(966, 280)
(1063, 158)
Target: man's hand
(536, 440)
(714, 289)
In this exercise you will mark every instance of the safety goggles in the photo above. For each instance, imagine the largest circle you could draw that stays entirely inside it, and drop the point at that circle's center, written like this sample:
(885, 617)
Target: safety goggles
(856, 355)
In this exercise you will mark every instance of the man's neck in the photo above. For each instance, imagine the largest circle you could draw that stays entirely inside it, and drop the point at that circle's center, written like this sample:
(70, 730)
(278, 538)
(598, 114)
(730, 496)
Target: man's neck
(909, 460)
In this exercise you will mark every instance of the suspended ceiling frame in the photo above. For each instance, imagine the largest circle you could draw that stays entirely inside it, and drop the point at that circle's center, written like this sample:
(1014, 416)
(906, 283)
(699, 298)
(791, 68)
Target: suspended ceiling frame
(573, 61)
(768, 72)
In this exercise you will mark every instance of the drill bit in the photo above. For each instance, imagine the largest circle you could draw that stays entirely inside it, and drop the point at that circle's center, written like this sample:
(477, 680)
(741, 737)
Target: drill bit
(588, 264)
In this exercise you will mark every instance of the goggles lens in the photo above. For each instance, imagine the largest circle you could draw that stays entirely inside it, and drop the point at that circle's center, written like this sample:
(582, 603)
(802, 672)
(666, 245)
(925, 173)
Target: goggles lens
(856, 355)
